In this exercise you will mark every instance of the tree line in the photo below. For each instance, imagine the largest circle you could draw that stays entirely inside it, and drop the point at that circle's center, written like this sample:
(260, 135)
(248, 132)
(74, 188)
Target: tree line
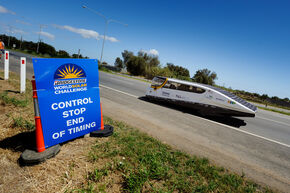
(30, 47)
(149, 66)
(263, 98)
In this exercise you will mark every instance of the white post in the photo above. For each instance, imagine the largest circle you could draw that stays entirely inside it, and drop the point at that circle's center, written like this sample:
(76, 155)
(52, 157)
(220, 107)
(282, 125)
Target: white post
(22, 74)
(6, 65)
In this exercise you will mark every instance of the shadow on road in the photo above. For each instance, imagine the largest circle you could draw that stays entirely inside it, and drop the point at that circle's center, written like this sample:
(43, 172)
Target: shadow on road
(231, 121)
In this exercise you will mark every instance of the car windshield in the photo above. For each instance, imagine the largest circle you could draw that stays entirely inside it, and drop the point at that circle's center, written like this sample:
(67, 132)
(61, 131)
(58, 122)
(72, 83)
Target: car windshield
(157, 81)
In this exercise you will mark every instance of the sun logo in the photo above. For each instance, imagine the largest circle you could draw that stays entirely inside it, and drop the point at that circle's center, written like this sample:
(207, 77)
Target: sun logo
(69, 71)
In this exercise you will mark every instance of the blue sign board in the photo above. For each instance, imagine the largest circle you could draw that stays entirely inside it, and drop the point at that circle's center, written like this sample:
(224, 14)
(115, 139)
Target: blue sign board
(68, 97)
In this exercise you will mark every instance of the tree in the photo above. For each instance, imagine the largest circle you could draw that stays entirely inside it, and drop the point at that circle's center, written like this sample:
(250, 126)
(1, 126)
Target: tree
(74, 56)
(205, 76)
(178, 71)
(46, 49)
(136, 65)
(158, 71)
(143, 55)
(151, 60)
(63, 54)
(29, 46)
(264, 97)
(119, 63)
(126, 56)
(275, 98)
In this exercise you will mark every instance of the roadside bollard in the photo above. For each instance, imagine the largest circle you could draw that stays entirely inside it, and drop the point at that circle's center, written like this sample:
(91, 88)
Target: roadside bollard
(6, 65)
(22, 74)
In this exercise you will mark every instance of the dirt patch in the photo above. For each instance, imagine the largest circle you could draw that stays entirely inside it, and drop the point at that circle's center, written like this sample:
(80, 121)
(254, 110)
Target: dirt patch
(66, 171)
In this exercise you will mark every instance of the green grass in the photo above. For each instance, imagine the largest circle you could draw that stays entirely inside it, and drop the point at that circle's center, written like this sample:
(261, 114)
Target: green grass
(24, 124)
(144, 164)
(276, 111)
(104, 69)
(12, 100)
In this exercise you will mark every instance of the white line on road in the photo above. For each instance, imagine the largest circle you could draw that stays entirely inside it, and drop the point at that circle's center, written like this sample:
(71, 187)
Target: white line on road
(233, 128)
(119, 91)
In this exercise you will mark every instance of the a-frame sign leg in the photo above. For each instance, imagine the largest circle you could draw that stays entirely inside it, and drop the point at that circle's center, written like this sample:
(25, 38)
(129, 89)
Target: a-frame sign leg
(105, 131)
(32, 157)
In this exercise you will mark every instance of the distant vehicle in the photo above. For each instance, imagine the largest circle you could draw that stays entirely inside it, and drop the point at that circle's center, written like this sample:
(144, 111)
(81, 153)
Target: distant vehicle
(208, 100)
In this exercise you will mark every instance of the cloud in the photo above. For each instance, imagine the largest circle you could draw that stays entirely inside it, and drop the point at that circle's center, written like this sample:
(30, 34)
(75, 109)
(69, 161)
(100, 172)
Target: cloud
(23, 22)
(111, 39)
(18, 31)
(85, 33)
(12, 30)
(4, 10)
(153, 52)
(46, 34)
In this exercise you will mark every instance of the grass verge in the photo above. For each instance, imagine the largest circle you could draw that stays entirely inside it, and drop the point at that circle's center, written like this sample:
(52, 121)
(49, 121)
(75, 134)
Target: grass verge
(274, 110)
(12, 100)
(22, 123)
(139, 163)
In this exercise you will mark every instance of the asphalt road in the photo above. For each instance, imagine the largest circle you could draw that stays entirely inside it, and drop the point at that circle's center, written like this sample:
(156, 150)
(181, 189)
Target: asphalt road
(258, 147)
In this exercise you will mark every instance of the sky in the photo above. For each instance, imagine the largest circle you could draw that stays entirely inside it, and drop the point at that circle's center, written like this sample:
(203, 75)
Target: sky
(247, 43)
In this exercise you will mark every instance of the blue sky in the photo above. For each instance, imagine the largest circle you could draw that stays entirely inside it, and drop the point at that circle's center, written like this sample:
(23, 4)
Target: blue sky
(247, 43)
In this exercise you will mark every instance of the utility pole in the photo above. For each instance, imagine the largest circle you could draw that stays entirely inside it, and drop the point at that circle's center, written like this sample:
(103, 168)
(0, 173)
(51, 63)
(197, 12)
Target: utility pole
(9, 36)
(107, 21)
(20, 43)
(79, 53)
(40, 30)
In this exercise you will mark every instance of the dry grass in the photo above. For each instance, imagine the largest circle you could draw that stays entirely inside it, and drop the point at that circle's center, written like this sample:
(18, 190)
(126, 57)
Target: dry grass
(67, 170)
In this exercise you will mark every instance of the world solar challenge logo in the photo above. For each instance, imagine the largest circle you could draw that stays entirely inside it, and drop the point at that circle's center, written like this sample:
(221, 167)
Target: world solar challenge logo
(69, 78)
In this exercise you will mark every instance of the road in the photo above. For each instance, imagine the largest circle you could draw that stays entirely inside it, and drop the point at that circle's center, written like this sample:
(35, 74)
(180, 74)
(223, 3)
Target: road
(257, 147)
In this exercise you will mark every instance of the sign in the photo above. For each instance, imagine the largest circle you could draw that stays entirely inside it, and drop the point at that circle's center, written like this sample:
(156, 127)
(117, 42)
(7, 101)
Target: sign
(68, 97)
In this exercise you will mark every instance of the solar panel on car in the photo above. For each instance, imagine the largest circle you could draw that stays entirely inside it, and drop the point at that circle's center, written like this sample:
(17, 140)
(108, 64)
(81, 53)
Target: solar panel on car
(228, 94)
(234, 97)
